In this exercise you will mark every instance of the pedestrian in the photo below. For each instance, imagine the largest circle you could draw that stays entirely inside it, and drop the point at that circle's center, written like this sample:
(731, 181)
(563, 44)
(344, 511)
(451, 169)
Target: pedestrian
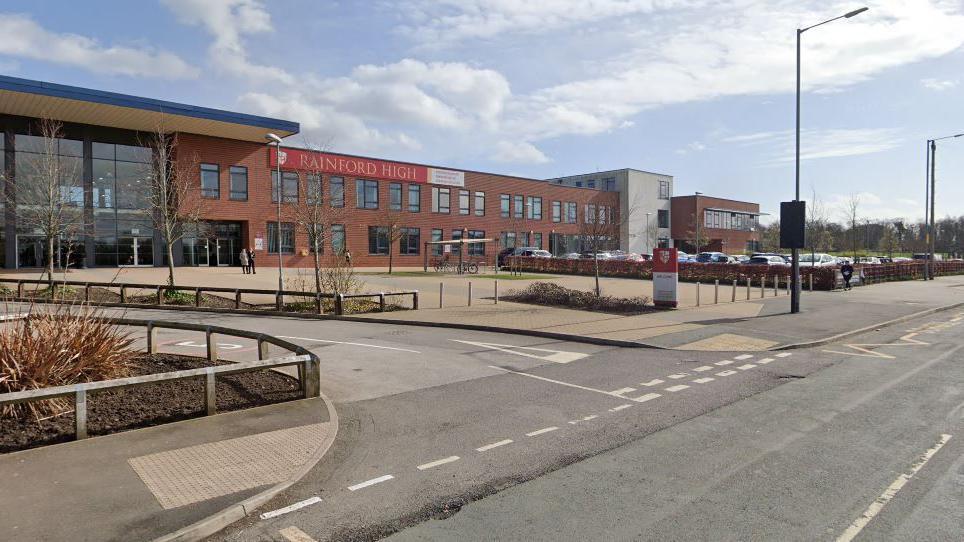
(847, 270)
(348, 257)
(244, 260)
(251, 268)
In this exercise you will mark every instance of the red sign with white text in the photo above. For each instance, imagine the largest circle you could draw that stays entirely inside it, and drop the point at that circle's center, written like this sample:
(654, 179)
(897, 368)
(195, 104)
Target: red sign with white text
(665, 260)
(356, 166)
(665, 277)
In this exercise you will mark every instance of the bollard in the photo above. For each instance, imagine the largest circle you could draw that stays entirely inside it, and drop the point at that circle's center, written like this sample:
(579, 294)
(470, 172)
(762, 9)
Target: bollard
(811, 282)
(87, 293)
(788, 286)
(776, 285)
(311, 373)
(716, 291)
(160, 295)
(210, 401)
(197, 297)
(470, 293)
(415, 300)
(19, 289)
(80, 412)
(763, 286)
(697, 294)
(496, 291)
(748, 288)
(318, 306)
(237, 299)
(151, 338)
(381, 301)
(212, 346)
(339, 304)
(734, 292)
(440, 285)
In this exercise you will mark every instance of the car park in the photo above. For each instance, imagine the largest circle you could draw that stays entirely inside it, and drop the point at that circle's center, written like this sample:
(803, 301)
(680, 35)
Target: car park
(588, 255)
(767, 260)
(817, 260)
(712, 257)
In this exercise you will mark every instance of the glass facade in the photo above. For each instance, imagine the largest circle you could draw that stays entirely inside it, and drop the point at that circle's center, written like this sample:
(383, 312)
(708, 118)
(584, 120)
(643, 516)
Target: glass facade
(123, 230)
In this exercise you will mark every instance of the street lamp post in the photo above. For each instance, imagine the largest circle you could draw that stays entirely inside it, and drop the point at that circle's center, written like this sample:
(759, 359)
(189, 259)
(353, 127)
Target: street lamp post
(649, 249)
(795, 252)
(696, 218)
(931, 230)
(272, 138)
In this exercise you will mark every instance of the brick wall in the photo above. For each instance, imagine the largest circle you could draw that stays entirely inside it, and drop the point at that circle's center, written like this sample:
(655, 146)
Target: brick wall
(684, 208)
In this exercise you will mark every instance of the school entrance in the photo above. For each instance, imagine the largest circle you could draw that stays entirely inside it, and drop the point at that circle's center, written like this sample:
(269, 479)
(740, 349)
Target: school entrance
(218, 244)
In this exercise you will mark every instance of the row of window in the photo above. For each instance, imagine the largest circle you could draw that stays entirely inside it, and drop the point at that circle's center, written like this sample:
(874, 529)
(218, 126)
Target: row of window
(379, 240)
(729, 220)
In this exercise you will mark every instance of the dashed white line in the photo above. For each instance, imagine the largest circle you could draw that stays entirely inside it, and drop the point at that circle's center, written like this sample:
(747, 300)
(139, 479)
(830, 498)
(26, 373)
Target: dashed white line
(290, 508)
(764, 361)
(620, 407)
(888, 494)
(703, 368)
(585, 419)
(488, 447)
(783, 354)
(541, 431)
(647, 397)
(724, 362)
(745, 367)
(654, 382)
(371, 482)
(294, 534)
(677, 376)
(622, 391)
(704, 380)
(742, 357)
(433, 464)
(725, 373)
(679, 387)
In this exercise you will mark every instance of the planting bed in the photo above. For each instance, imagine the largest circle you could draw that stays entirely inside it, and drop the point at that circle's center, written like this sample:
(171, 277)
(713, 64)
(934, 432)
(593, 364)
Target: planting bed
(553, 295)
(151, 404)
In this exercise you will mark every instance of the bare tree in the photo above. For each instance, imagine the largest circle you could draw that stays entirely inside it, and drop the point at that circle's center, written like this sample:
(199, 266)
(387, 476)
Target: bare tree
(888, 239)
(391, 222)
(852, 209)
(600, 230)
(816, 219)
(314, 214)
(174, 200)
(49, 192)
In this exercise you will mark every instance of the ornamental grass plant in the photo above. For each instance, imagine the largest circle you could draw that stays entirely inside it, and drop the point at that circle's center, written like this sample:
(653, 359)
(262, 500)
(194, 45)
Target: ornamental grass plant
(57, 346)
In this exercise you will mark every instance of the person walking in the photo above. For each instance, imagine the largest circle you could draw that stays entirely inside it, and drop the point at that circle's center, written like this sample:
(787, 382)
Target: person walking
(251, 268)
(348, 258)
(244, 260)
(847, 270)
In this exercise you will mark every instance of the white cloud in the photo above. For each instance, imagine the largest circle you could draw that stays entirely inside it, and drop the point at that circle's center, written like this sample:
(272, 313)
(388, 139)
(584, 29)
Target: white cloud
(872, 206)
(816, 144)
(519, 152)
(938, 84)
(694, 146)
(24, 38)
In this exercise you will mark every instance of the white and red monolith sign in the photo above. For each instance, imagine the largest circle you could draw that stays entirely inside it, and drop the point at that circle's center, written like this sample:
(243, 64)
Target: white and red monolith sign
(665, 277)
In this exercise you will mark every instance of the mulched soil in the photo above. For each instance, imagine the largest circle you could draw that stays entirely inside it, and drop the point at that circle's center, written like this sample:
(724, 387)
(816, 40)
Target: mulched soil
(152, 404)
(553, 295)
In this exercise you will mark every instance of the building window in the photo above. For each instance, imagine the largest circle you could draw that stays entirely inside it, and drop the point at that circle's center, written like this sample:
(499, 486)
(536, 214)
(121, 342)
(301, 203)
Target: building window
(525, 239)
(534, 208)
(336, 191)
(338, 238)
(504, 205)
(480, 204)
(441, 199)
(378, 240)
(366, 194)
(557, 211)
(456, 247)
(289, 187)
(409, 241)
(210, 181)
(436, 237)
(589, 215)
(591, 184)
(287, 237)
(662, 218)
(239, 183)
(609, 185)
(395, 196)
(537, 240)
(508, 239)
(578, 184)
(313, 188)
(517, 207)
(414, 198)
(664, 190)
(571, 212)
(321, 239)
(463, 202)
(477, 249)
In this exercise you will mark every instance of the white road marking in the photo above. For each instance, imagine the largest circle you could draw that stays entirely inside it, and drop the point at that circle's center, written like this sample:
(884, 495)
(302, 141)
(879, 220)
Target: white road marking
(223, 346)
(725, 373)
(561, 383)
(724, 362)
(764, 361)
(351, 344)
(623, 391)
(677, 376)
(488, 447)
(620, 407)
(13, 316)
(783, 354)
(888, 494)
(586, 419)
(906, 340)
(291, 508)
(704, 380)
(371, 482)
(294, 534)
(647, 397)
(679, 387)
(433, 464)
(742, 357)
(745, 367)
(555, 356)
(541, 431)
(703, 368)
(654, 382)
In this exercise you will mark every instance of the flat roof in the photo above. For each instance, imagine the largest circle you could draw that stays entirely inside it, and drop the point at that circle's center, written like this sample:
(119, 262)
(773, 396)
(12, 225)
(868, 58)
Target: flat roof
(719, 198)
(39, 99)
(595, 173)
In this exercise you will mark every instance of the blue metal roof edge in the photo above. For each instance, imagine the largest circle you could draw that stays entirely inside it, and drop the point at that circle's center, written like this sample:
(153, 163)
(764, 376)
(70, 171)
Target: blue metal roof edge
(16, 84)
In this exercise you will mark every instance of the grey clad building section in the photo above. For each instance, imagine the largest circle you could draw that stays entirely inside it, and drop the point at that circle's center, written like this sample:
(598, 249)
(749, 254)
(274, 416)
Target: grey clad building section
(644, 201)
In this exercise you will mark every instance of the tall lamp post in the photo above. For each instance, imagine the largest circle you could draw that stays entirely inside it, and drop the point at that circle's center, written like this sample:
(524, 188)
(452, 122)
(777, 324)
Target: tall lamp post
(931, 230)
(795, 277)
(696, 218)
(649, 249)
(273, 139)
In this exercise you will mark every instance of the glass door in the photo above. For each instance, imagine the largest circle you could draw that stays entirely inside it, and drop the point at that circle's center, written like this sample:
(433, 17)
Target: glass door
(31, 251)
(135, 251)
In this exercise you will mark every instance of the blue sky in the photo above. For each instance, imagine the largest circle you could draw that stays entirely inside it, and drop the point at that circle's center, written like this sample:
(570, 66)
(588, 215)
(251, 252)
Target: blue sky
(699, 89)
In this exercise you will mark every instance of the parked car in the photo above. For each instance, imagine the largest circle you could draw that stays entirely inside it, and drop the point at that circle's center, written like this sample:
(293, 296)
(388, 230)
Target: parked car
(588, 255)
(683, 257)
(781, 256)
(817, 260)
(901, 259)
(767, 260)
(626, 256)
(712, 257)
(517, 251)
(844, 259)
(571, 256)
(872, 260)
(741, 258)
(537, 253)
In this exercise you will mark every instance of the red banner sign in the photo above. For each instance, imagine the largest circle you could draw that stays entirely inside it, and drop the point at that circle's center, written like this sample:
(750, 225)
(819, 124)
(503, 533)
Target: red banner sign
(665, 260)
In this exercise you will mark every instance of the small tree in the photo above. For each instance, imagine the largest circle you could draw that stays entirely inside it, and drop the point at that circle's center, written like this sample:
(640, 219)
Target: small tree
(49, 193)
(852, 209)
(600, 230)
(174, 200)
(391, 220)
(816, 219)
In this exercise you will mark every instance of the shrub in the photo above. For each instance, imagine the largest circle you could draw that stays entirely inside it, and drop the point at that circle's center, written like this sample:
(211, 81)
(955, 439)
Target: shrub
(547, 293)
(58, 347)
